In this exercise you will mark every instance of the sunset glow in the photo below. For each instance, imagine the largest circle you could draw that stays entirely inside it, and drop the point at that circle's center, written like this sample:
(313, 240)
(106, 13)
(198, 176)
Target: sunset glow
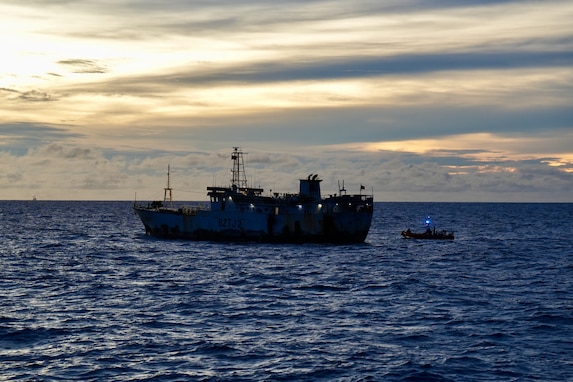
(387, 95)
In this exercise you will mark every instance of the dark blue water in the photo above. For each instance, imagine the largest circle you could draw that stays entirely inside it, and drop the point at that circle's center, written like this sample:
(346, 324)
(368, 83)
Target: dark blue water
(85, 295)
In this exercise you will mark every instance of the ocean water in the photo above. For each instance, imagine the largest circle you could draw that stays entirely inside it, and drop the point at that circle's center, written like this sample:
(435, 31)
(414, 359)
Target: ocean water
(86, 296)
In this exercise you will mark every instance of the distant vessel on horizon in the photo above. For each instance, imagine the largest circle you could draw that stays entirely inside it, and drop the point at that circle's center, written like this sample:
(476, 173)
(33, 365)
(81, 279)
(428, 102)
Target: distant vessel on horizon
(242, 213)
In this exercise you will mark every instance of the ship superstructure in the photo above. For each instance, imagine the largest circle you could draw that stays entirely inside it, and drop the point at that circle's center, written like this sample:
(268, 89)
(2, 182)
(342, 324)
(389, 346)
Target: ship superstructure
(242, 213)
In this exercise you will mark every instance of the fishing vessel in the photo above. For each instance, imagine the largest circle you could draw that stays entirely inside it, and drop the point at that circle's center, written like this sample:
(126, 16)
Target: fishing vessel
(241, 213)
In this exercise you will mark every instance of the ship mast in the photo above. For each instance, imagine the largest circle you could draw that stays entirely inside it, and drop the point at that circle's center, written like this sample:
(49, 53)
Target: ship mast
(239, 177)
(341, 190)
(168, 190)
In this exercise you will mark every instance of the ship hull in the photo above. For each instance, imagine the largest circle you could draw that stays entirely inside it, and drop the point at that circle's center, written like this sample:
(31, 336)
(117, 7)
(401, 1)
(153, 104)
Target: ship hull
(295, 225)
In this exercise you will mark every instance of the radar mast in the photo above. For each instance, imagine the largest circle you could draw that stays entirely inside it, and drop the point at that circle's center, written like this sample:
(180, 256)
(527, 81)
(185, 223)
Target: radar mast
(239, 177)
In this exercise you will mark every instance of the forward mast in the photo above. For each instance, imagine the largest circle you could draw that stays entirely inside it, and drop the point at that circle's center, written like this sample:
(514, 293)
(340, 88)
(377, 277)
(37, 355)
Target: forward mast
(168, 191)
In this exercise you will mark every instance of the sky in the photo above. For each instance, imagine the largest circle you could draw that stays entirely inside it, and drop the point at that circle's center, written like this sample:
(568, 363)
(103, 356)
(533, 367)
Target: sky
(445, 100)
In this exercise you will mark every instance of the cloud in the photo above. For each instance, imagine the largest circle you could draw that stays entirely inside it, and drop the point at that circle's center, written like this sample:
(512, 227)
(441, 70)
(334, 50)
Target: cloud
(63, 171)
(59, 151)
(35, 96)
(442, 100)
(83, 66)
(30, 95)
(364, 67)
(19, 137)
(8, 90)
